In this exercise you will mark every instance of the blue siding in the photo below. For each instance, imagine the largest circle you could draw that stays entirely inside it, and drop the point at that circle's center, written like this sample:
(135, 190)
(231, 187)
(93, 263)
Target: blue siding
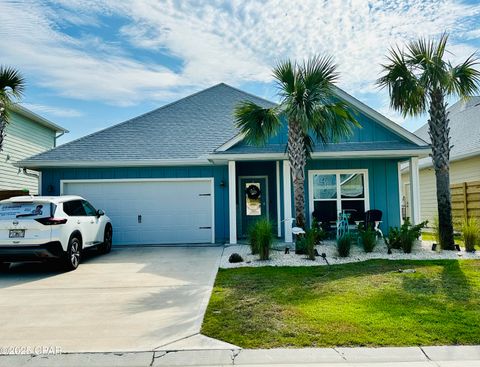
(370, 131)
(382, 182)
(382, 173)
(51, 183)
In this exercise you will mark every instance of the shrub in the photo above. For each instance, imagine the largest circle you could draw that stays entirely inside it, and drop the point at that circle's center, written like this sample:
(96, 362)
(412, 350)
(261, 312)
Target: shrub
(309, 241)
(253, 239)
(305, 245)
(393, 239)
(262, 234)
(471, 234)
(235, 258)
(344, 243)
(367, 238)
(405, 237)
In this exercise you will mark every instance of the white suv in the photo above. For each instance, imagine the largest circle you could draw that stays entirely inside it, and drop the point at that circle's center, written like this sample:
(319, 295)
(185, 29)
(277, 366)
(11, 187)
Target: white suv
(38, 228)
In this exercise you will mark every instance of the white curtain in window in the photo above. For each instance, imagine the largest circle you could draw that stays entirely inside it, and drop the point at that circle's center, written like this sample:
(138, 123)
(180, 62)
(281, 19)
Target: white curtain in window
(352, 185)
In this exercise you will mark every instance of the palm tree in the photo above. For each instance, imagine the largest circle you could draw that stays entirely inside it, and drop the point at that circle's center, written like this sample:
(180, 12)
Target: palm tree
(419, 79)
(11, 88)
(311, 112)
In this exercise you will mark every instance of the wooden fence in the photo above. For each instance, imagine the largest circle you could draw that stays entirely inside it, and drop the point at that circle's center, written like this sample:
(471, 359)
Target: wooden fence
(6, 194)
(465, 200)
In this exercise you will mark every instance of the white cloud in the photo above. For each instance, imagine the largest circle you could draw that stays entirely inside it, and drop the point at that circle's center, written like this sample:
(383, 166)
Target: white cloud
(232, 41)
(52, 110)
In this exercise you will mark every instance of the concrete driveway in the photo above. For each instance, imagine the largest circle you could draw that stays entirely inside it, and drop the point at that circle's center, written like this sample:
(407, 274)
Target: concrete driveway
(133, 299)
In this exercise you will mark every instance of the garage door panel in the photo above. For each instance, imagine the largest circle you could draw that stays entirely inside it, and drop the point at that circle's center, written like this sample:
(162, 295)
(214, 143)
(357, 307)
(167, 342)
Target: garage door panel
(171, 211)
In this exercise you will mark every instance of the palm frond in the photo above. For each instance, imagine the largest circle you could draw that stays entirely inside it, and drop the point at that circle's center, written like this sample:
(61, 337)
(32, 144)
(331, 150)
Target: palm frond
(464, 78)
(11, 83)
(309, 144)
(285, 74)
(313, 87)
(333, 122)
(426, 58)
(318, 72)
(407, 93)
(258, 124)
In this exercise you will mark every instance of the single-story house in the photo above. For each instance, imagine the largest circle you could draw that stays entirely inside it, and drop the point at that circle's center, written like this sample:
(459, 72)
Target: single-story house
(464, 165)
(183, 174)
(26, 134)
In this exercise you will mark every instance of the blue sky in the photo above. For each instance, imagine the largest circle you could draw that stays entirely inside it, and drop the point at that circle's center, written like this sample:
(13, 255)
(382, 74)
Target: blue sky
(92, 64)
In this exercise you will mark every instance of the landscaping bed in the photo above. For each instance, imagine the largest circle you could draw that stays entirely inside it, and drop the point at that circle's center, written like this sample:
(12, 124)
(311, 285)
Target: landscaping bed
(421, 251)
(368, 303)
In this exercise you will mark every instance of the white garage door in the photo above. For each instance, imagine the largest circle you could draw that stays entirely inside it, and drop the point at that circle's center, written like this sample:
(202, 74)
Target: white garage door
(152, 212)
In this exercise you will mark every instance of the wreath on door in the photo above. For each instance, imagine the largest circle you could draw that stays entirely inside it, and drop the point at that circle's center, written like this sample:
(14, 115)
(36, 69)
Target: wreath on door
(253, 192)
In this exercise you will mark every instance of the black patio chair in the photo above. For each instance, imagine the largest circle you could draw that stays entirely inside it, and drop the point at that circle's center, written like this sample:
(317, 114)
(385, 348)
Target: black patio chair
(373, 218)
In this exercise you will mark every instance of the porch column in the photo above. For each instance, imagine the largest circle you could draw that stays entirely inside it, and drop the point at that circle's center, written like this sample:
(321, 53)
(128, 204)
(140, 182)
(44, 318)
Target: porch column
(414, 191)
(287, 201)
(279, 200)
(232, 202)
(400, 191)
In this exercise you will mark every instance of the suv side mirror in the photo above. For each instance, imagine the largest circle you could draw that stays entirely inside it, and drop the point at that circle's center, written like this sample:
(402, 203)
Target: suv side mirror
(100, 212)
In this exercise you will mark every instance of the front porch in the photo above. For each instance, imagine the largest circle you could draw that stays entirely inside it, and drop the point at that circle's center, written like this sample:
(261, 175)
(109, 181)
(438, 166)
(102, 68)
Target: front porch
(331, 185)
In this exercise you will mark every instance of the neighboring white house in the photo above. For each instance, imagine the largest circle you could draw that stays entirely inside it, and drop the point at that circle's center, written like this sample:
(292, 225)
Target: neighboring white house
(464, 157)
(26, 134)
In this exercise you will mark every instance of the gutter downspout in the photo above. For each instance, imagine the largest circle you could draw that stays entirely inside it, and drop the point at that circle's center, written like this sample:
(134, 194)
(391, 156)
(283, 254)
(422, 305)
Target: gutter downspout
(56, 137)
(29, 174)
(34, 175)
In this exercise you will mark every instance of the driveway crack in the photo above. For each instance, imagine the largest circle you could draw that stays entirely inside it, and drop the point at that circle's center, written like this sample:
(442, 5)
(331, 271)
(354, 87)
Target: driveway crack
(428, 358)
(157, 355)
(235, 353)
(340, 354)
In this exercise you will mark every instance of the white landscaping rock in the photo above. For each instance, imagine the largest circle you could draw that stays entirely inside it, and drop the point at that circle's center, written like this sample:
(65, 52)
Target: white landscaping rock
(421, 251)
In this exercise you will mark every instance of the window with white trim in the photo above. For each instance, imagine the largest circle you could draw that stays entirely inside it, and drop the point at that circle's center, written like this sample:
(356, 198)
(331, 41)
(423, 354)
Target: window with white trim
(334, 191)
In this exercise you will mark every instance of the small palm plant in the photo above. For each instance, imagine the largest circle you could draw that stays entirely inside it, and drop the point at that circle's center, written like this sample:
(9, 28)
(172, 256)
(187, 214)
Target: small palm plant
(418, 80)
(11, 88)
(311, 111)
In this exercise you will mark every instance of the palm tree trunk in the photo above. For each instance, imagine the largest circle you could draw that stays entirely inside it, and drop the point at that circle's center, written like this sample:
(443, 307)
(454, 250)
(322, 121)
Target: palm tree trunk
(439, 135)
(2, 130)
(297, 156)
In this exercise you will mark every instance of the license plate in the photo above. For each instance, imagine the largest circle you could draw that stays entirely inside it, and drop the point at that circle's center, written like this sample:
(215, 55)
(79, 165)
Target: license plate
(16, 233)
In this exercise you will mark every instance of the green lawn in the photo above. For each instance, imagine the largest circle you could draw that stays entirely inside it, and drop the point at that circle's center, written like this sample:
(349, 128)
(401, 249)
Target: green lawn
(427, 236)
(359, 304)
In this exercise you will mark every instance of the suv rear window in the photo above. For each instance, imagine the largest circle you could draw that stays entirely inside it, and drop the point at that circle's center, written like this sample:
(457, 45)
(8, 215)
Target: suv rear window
(24, 210)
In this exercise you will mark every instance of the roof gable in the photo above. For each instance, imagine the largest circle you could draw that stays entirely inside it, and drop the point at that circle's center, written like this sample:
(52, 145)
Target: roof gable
(374, 134)
(37, 118)
(375, 128)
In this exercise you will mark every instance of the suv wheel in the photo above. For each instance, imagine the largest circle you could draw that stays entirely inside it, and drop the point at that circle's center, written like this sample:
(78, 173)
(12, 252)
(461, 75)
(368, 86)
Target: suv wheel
(74, 254)
(106, 246)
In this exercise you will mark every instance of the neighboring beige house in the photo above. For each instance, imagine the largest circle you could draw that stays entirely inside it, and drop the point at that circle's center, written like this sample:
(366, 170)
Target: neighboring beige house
(464, 158)
(26, 134)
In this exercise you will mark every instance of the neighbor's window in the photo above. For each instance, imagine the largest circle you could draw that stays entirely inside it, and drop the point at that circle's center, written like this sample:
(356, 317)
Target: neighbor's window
(334, 192)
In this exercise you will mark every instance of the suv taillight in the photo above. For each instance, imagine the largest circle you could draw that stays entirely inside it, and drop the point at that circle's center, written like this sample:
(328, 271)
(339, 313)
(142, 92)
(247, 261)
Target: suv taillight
(51, 221)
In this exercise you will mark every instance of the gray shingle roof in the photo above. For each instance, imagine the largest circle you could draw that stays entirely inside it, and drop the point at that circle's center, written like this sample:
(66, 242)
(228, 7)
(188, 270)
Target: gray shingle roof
(464, 128)
(186, 129)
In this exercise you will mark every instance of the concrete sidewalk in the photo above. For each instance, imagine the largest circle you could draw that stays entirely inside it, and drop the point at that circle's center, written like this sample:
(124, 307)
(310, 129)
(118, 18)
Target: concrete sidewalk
(449, 356)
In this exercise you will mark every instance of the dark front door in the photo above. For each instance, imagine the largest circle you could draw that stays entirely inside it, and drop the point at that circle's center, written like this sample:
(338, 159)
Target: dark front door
(253, 201)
